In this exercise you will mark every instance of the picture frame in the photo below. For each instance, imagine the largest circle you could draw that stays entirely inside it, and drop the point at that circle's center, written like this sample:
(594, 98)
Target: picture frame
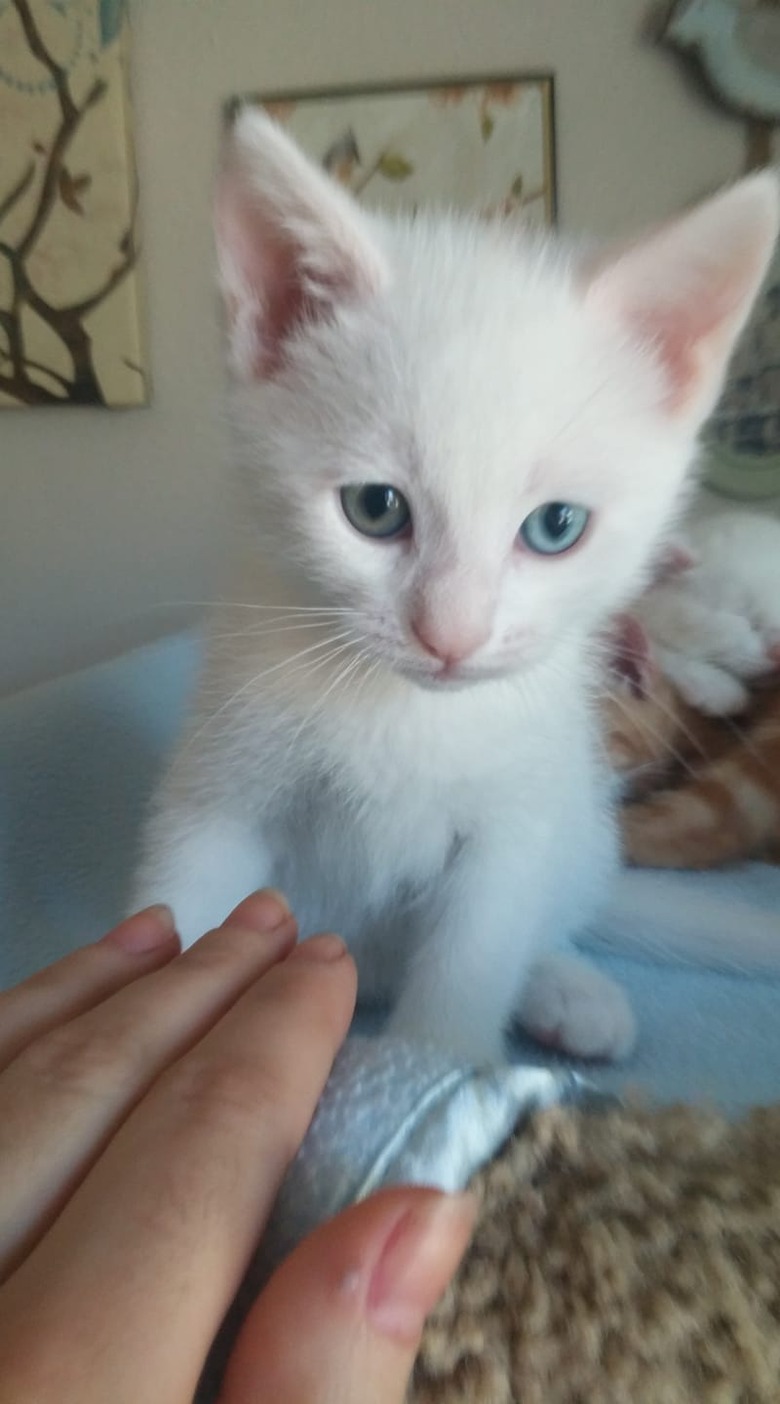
(484, 144)
(742, 438)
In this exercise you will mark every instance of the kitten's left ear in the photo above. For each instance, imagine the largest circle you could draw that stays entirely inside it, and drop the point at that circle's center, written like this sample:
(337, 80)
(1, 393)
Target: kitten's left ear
(687, 289)
(292, 245)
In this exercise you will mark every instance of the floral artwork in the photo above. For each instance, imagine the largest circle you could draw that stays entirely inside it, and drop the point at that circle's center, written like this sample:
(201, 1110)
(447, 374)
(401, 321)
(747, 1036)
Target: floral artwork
(483, 145)
(69, 302)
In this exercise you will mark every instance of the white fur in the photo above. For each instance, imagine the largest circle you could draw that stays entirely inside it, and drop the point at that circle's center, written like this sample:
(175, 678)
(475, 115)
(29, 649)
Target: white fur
(716, 625)
(454, 826)
(568, 1004)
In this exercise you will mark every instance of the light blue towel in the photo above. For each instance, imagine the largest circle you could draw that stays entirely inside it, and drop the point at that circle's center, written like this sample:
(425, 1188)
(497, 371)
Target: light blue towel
(79, 759)
(80, 756)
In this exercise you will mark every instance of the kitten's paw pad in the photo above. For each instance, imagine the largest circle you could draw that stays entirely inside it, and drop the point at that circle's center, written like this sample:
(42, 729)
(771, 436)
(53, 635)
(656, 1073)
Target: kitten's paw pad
(569, 1006)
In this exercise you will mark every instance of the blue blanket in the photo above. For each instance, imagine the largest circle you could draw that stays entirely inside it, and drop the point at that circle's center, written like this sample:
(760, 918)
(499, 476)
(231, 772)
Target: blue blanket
(80, 756)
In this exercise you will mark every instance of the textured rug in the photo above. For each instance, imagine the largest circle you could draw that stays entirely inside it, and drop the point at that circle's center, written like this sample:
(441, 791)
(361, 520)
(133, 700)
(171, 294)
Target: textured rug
(622, 1256)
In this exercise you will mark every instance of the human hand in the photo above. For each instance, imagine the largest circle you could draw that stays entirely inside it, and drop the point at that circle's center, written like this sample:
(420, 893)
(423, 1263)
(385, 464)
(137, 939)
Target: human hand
(150, 1102)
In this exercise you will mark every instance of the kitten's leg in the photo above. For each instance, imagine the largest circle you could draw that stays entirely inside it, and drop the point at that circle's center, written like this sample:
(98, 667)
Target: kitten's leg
(473, 956)
(202, 865)
(568, 1005)
(565, 1003)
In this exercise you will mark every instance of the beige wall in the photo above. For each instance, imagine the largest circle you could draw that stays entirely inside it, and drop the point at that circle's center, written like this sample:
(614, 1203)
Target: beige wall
(108, 519)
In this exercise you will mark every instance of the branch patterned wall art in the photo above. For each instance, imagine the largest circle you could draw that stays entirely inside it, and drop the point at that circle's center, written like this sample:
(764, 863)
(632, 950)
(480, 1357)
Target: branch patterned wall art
(484, 145)
(69, 302)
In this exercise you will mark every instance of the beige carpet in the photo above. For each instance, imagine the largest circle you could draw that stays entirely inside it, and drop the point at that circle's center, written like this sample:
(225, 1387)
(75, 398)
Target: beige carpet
(626, 1257)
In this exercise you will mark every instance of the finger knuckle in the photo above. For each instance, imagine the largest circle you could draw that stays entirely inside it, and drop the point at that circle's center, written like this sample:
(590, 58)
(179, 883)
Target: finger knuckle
(227, 1093)
(75, 1061)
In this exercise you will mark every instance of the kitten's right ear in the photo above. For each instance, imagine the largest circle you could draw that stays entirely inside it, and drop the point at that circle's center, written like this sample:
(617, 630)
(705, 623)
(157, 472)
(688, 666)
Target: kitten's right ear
(685, 290)
(291, 244)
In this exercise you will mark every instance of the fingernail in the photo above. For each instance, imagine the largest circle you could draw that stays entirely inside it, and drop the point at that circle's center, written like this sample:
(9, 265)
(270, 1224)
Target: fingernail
(321, 950)
(146, 931)
(264, 911)
(417, 1263)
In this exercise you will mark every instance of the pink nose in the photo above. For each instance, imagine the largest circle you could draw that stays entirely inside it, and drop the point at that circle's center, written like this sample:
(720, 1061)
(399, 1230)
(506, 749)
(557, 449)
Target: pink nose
(452, 645)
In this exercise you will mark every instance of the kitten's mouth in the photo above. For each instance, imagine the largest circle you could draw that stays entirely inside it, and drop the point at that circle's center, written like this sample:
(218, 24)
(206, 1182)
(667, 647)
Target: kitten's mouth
(451, 677)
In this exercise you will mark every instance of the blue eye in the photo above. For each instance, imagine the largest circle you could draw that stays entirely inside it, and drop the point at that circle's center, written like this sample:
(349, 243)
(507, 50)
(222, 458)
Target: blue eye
(375, 509)
(554, 527)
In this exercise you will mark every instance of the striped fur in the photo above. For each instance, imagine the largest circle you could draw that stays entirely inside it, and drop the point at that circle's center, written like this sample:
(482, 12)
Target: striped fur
(701, 791)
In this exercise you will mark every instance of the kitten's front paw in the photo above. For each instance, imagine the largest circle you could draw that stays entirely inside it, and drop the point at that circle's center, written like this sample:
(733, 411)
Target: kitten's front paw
(568, 1005)
(707, 687)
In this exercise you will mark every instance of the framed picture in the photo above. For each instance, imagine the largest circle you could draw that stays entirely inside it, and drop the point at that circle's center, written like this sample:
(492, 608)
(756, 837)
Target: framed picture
(742, 440)
(70, 328)
(484, 144)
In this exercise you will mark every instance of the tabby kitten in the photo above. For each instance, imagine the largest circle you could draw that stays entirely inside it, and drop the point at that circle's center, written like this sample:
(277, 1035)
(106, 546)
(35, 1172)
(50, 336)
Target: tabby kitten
(700, 791)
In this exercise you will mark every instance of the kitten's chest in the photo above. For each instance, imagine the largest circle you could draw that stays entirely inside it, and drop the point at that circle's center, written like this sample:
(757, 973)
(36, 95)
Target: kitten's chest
(379, 806)
(346, 856)
(379, 810)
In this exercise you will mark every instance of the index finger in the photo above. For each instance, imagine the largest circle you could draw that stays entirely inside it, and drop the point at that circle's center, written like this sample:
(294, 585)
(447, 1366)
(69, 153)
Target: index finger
(151, 1249)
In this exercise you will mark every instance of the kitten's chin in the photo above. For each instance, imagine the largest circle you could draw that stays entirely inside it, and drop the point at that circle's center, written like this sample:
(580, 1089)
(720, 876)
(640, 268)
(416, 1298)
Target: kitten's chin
(450, 679)
(439, 682)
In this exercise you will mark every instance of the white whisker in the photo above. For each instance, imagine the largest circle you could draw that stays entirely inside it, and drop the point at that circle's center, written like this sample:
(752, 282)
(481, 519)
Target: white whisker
(265, 673)
(251, 604)
(664, 744)
(663, 707)
(272, 626)
(351, 666)
(368, 673)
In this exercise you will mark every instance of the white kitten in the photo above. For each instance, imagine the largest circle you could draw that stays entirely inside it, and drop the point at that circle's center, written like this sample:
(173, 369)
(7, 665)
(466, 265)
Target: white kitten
(716, 624)
(459, 453)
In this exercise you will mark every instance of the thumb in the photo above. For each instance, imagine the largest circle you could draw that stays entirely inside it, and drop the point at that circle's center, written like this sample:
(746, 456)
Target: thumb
(341, 1320)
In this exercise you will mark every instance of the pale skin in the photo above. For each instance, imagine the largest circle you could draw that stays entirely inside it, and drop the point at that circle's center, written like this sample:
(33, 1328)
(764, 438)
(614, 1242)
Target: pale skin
(150, 1102)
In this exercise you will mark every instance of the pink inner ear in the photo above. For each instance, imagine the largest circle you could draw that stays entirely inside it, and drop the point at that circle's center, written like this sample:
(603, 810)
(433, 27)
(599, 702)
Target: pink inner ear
(284, 305)
(631, 659)
(292, 245)
(680, 333)
(675, 559)
(686, 290)
(292, 298)
(264, 295)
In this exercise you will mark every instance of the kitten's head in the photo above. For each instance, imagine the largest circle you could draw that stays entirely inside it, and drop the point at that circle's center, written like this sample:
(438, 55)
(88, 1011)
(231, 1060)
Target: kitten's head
(469, 440)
